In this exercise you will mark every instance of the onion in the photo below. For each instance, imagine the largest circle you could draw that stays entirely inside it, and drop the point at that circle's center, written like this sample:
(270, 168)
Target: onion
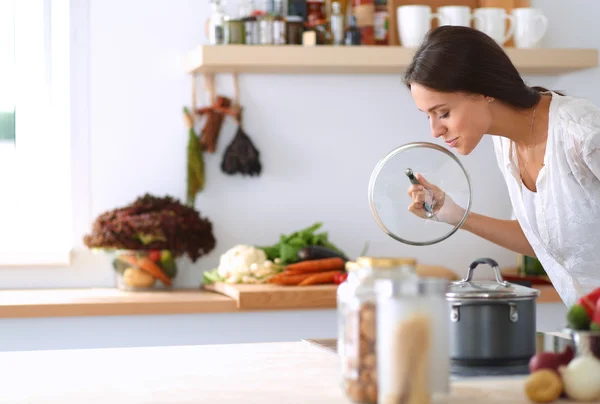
(581, 378)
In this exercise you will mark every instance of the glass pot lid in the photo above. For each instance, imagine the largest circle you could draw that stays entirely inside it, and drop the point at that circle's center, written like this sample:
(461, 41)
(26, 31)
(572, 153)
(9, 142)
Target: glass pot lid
(389, 199)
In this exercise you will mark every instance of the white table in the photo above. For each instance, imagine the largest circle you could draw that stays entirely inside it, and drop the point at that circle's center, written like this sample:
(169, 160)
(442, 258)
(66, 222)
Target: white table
(278, 373)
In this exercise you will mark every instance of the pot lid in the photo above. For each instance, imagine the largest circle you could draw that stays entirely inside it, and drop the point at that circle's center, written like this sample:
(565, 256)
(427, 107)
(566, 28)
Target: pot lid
(468, 289)
(389, 199)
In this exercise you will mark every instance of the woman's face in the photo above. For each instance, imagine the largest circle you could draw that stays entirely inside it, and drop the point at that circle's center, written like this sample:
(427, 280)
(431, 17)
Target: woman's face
(459, 119)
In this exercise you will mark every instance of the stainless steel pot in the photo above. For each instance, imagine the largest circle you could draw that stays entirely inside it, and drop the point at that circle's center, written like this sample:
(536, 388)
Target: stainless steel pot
(491, 322)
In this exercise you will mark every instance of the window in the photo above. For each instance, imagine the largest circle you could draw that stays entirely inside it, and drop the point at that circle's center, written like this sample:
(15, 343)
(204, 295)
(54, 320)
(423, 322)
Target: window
(36, 43)
(7, 60)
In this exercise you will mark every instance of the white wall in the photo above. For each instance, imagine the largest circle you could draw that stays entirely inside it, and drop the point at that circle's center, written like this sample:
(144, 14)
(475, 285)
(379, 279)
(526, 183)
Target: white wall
(319, 135)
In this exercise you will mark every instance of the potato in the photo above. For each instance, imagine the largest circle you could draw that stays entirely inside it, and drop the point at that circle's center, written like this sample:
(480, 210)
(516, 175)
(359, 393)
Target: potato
(138, 278)
(543, 386)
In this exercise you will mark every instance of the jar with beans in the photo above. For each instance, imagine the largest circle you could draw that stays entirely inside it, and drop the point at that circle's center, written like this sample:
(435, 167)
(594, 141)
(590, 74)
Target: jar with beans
(357, 322)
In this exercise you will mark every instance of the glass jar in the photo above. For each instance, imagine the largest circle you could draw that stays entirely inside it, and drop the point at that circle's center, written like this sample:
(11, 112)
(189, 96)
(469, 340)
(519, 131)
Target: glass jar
(413, 352)
(357, 336)
(294, 30)
(235, 31)
(139, 270)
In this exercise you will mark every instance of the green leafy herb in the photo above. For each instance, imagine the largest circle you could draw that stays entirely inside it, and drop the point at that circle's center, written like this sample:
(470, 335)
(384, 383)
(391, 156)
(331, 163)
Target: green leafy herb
(288, 246)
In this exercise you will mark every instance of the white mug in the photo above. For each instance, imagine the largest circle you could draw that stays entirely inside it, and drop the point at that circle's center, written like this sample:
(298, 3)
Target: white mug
(414, 21)
(492, 21)
(456, 15)
(530, 27)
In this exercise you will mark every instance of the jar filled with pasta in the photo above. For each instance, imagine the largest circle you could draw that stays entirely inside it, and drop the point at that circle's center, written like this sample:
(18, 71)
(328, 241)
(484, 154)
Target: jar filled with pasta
(357, 323)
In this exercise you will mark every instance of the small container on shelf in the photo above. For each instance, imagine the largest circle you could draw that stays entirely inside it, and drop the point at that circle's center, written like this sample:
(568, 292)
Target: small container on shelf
(297, 8)
(364, 11)
(279, 31)
(215, 25)
(381, 22)
(139, 270)
(294, 29)
(235, 31)
(353, 35)
(266, 21)
(337, 23)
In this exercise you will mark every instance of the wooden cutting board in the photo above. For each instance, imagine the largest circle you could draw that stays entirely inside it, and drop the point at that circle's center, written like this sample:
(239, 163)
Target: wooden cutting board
(275, 297)
(266, 297)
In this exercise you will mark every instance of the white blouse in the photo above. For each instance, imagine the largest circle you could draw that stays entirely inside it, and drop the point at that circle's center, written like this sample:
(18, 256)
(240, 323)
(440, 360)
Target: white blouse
(562, 220)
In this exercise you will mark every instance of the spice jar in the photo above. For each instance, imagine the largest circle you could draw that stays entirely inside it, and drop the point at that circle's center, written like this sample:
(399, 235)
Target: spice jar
(413, 361)
(235, 32)
(357, 333)
(294, 30)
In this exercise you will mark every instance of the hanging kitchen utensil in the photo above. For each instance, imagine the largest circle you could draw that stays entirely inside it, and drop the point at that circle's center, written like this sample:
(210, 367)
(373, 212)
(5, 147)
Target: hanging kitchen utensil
(219, 107)
(389, 199)
(241, 156)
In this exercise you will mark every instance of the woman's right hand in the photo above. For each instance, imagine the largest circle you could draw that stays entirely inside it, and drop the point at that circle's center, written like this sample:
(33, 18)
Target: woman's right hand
(443, 207)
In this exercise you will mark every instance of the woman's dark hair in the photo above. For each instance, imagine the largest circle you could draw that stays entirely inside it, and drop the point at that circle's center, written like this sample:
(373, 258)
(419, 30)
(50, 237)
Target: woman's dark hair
(456, 58)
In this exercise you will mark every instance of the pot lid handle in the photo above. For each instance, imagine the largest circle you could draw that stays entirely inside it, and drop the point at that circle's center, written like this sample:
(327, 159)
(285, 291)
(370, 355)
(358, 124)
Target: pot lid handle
(491, 263)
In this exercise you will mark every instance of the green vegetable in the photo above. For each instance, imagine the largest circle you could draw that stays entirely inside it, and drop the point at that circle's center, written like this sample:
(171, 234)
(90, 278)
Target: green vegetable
(578, 318)
(289, 245)
(195, 162)
(146, 239)
(211, 276)
(167, 263)
(120, 266)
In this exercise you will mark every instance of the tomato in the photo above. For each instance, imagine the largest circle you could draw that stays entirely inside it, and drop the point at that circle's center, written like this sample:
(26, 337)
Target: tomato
(589, 302)
(154, 255)
(339, 278)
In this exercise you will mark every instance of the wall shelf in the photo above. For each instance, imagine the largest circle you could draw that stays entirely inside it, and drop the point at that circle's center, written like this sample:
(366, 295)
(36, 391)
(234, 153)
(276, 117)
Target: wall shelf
(296, 59)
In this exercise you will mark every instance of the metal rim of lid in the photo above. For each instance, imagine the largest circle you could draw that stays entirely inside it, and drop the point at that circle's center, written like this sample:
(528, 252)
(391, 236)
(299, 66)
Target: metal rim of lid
(385, 262)
(384, 161)
(512, 292)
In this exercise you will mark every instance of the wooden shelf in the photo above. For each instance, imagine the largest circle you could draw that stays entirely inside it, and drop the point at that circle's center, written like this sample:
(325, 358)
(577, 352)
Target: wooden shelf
(361, 59)
(31, 303)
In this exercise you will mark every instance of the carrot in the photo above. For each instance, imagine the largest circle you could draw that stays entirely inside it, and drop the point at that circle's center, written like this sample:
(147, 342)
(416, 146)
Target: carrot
(147, 265)
(320, 278)
(285, 279)
(312, 266)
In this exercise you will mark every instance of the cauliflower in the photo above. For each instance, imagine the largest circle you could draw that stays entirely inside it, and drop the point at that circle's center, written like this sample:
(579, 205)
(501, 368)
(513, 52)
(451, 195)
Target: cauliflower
(245, 264)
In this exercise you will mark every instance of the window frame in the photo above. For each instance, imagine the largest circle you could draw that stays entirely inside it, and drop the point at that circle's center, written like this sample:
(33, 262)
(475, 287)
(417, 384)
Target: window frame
(68, 52)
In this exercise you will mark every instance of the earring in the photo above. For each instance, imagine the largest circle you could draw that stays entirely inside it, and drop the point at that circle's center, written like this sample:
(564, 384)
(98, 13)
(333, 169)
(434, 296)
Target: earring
(490, 99)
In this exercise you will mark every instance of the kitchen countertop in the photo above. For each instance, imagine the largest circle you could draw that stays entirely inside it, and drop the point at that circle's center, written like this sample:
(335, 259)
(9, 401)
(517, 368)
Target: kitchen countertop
(286, 372)
(32, 303)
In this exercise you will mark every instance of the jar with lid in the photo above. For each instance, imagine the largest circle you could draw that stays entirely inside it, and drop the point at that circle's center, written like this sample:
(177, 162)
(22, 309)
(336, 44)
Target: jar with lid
(357, 334)
(235, 32)
(294, 29)
(413, 360)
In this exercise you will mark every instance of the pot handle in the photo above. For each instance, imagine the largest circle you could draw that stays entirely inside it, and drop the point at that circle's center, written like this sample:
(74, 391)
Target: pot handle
(491, 263)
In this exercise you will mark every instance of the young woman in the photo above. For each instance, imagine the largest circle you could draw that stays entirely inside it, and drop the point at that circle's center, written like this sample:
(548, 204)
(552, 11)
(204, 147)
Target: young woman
(547, 146)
